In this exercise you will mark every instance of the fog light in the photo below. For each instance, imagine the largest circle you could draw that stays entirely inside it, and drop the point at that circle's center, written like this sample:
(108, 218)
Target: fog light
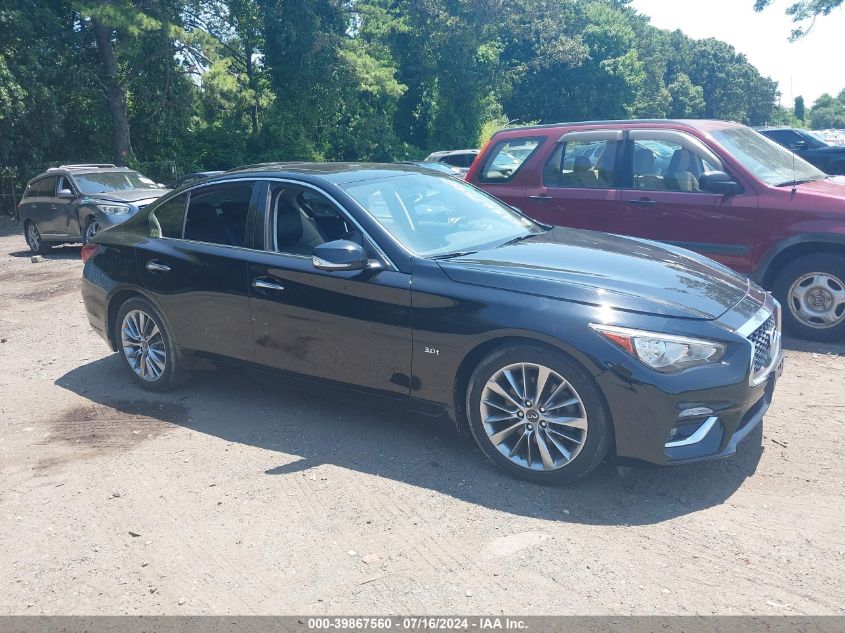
(687, 432)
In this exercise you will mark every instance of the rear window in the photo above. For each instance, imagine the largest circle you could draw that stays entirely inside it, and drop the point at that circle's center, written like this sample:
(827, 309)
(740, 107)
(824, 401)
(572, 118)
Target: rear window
(506, 158)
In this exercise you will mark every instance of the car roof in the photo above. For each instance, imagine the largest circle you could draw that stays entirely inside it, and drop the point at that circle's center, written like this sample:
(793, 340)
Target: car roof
(704, 125)
(79, 169)
(335, 173)
(454, 152)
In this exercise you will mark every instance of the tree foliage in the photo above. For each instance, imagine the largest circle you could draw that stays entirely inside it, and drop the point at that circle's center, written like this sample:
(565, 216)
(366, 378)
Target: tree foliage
(803, 13)
(828, 112)
(171, 86)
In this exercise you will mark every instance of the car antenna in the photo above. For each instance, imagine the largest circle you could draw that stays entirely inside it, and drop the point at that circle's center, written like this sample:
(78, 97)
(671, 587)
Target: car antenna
(794, 184)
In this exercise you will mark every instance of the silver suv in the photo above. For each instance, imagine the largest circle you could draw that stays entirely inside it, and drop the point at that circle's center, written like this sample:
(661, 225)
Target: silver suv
(72, 203)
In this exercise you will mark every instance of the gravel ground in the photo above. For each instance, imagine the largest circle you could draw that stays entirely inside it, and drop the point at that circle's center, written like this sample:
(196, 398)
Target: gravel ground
(241, 493)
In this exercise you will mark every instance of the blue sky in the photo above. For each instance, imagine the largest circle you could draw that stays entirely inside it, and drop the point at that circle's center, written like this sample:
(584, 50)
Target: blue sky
(813, 65)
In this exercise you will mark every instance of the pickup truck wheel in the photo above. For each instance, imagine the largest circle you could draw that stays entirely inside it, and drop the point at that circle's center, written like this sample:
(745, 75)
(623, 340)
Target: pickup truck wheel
(811, 291)
(34, 240)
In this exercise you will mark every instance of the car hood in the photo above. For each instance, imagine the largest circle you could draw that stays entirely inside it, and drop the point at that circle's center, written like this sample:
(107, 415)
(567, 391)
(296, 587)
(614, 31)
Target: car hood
(833, 186)
(133, 196)
(608, 270)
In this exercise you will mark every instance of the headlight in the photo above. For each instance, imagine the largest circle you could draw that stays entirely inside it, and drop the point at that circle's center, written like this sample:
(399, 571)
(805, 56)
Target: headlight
(663, 352)
(113, 209)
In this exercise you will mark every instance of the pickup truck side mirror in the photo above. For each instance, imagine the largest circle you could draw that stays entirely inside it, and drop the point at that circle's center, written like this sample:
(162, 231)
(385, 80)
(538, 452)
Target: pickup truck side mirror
(718, 182)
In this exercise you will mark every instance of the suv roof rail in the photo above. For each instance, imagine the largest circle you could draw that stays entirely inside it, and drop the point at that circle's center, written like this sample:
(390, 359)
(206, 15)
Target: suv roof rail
(96, 165)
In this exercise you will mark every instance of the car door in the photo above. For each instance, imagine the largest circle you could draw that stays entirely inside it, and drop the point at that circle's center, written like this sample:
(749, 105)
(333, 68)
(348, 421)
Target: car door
(48, 215)
(662, 200)
(348, 326)
(195, 266)
(65, 199)
(578, 185)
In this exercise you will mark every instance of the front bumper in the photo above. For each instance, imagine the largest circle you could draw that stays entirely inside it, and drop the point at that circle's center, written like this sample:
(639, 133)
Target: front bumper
(698, 415)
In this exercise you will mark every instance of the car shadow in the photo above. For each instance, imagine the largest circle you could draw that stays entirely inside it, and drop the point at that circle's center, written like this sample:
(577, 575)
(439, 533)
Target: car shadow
(813, 347)
(57, 252)
(328, 425)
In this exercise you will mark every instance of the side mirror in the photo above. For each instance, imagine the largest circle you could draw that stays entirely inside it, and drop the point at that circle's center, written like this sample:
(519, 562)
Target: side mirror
(797, 146)
(718, 182)
(339, 255)
(64, 193)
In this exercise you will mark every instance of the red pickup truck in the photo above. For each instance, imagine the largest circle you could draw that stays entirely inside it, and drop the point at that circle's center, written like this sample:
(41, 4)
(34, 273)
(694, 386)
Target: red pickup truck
(718, 188)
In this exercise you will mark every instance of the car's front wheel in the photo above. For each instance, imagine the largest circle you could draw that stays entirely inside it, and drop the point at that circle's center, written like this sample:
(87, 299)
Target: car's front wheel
(537, 415)
(34, 240)
(90, 229)
(812, 293)
(146, 346)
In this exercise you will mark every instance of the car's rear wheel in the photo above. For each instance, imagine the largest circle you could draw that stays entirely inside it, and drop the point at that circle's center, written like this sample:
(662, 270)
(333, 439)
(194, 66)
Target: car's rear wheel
(537, 415)
(90, 229)
(146, 346)
(34, 240)
(812, 293)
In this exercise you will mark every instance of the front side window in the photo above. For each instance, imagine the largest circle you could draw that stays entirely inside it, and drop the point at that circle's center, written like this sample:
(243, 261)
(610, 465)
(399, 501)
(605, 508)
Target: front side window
(773, 164)
(105, 181)
(168, 218)
(582, 164)
(666, 160)
(506, 157)
(217, 213)
(432, 215)
(64, 183)
(303, 219)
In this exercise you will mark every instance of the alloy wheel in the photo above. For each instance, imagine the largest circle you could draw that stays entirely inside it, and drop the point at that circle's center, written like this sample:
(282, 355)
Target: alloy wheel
(817, 300)
(533, 416)
(33, 237)
(91, 229)
(143, 345)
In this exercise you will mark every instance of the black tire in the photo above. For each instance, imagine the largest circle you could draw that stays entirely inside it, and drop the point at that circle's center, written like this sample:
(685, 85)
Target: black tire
(598, 435)
(34, 240)
(825, 263)
(172, 374)
(89, 221)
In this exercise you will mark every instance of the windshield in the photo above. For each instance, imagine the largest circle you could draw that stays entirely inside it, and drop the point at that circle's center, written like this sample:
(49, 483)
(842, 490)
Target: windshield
(768, 161)
(103, 182)
(435, 215)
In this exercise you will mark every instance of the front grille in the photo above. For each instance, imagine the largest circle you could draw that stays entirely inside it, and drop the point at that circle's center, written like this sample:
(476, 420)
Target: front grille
(764, 340)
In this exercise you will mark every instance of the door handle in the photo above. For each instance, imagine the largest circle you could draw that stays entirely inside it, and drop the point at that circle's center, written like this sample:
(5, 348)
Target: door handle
(541, 196)
(642, 202)
(157, 267)
(266, 284)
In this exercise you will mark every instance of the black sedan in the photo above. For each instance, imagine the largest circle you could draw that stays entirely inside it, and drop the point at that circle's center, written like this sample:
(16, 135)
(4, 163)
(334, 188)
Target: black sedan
(553, 347)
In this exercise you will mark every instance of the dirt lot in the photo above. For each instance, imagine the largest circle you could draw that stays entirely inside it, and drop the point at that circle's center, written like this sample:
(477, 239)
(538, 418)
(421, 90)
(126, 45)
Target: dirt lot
(240, 493)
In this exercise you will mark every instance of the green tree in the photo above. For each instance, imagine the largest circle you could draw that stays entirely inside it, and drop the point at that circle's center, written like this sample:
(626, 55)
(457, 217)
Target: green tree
(803, 11)
(798, 110)
(828, 112)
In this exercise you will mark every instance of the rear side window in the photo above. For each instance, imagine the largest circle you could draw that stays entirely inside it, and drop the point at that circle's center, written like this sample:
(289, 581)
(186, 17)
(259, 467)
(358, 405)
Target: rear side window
(217, 213)
(506, 158)
(582, 164)
(166, 219)
(44, 188)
